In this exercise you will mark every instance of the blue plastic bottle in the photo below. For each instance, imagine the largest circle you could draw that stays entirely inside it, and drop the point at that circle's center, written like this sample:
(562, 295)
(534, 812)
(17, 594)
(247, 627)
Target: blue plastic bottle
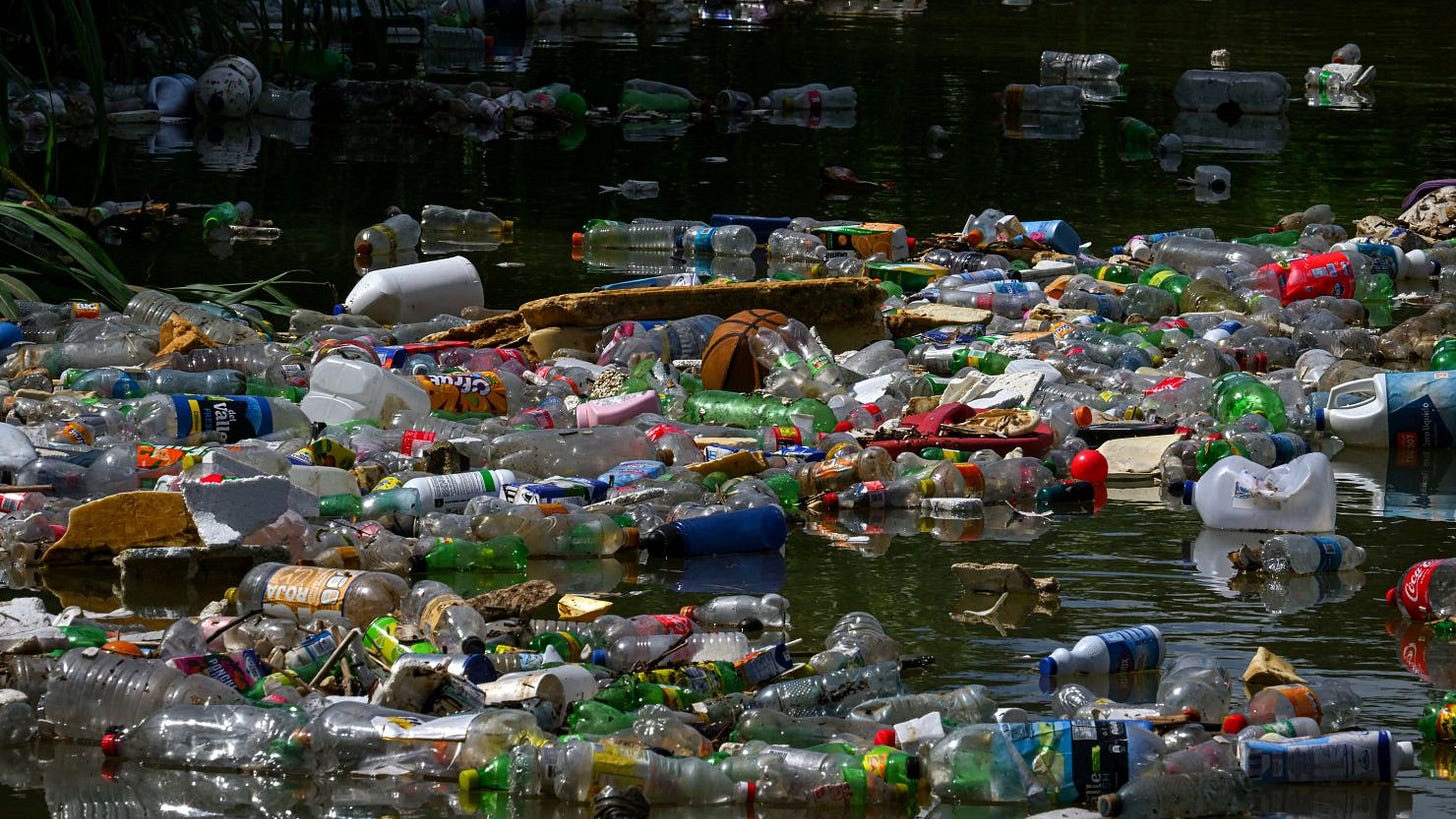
(756, 529)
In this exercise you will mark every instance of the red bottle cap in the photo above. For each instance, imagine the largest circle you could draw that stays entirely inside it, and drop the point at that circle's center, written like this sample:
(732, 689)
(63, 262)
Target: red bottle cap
(1234, 723)
(111, 743)
(886, 737)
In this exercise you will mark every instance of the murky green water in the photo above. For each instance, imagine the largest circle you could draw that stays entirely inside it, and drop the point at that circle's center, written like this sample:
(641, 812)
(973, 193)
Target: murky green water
(1132, 562)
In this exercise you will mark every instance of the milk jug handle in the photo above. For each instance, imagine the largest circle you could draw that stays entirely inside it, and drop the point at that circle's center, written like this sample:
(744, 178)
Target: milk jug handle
(1295, 470)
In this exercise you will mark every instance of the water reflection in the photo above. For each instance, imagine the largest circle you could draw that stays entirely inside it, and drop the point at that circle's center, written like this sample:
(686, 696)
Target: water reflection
(1418, 484)
(227, 145)
(1423, 652)
(1291, 593)
(746, 573)
(1332, 801)
(1356, 99)
(1033, 125)
(1248, 134)
(1131, 688)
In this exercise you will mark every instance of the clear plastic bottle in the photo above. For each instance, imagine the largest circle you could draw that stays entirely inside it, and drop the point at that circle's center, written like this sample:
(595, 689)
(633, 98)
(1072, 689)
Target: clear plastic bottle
(398, 233)
(775, 727)
(663, 236)
(153, 308)
(350, 735)
(570, 453)
(832, 694)
(785, 245)
(297, 592)
(90, 691)
(626, 652)
(1196, 682)
(1189, 254)
(771, 611)
(1332, 702)
(212, 737)
(1216, 792)
(727, 240)
(442, 222)
(1294, 553)
(964, 705)
(447, 620)
(857, 639)
(1065, 65)
(1014, 479)
(573, 535)
(193, 419)
(115, 383)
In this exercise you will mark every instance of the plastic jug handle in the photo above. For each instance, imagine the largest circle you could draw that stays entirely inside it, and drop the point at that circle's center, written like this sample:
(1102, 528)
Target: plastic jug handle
(1363, 385)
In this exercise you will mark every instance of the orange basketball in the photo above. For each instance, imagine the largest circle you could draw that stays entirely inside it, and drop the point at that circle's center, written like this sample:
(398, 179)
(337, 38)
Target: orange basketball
(728, 360)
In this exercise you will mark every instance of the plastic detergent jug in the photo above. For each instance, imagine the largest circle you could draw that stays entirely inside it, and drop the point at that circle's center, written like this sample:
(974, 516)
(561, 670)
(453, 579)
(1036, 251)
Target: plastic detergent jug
(1406, 411)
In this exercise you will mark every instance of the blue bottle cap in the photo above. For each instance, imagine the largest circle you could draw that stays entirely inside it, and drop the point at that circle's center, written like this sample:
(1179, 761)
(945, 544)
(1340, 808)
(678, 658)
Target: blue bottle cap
(598, 656)
(1047, 667)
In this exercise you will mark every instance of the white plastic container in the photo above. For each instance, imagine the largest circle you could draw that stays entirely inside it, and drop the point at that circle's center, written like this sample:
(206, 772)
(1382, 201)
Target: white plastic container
(417, 292)
(1344, 756)
(617, 409)
(1404, 411)
(343, 389)
(1236, 493)
(559, 686)
(171, 94)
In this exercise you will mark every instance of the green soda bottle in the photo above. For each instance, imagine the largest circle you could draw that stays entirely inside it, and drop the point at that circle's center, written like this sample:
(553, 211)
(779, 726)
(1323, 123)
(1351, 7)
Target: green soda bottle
(1443, 355)
(594, 717)
(1281, 238)
(1237, 394)
(506, 553)
(755, 411)
(1116, 273)
(1438, 723)
(1165, 278)
(1216, 448)
(984, 360)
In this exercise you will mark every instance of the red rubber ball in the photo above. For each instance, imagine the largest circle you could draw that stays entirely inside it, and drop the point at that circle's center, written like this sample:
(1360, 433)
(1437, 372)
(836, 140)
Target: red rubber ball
(1089, 465)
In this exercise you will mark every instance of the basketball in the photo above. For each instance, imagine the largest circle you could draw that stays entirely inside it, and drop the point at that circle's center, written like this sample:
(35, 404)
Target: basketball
(728, 362)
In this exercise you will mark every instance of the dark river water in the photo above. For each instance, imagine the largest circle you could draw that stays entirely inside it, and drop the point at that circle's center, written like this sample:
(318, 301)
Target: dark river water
(1133, 562)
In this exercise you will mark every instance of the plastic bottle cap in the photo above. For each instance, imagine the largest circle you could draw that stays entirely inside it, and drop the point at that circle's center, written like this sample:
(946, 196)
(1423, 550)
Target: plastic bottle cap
(884, 736)
(1109, 804)
(844, 426)
(1082, 415)
(1047, 667)
(111, 743)
(472, 645)
(469, 779)
(631, 537)
(1319, 418)
(1390, 597)
(830, 499)
(598, 656)
(1234, 723)
(578, 239)
(752, 627)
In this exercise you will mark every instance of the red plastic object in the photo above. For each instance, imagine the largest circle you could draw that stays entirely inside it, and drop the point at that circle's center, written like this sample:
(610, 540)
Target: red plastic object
(929, 423)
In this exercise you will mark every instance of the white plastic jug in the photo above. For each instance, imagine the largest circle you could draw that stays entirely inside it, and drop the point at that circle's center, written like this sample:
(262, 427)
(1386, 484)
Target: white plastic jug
(1236, 493)
(1405, 411)
(416, 292)
(343, 389)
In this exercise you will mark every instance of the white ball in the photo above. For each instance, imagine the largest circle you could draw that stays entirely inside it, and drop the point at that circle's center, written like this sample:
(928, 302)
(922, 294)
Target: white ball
(229, 88)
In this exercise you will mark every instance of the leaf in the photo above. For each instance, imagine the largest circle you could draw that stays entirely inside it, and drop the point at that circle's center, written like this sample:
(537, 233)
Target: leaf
(18, 287)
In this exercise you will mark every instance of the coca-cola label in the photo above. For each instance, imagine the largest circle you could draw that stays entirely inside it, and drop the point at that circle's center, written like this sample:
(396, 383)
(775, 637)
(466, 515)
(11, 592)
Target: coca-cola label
(1412, 594)
(1170, 383)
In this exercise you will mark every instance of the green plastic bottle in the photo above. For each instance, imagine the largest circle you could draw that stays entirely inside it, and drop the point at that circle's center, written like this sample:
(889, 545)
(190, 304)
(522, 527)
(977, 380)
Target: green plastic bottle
(1166, 278)
(1281, 238)
(1237, 394)
(505, 554)
(1443, 355)
(1438, 723)
(600, 718)
(755, 411)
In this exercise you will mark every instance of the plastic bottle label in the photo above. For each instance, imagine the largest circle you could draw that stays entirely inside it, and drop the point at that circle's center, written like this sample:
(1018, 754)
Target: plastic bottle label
(305, 590)
(1350, 756)
(1414, 587)
(1421, 410)
(435, 609)
(674, 623)
(542, 418)
(466, 392)
(1302, 699)
(452, 491)
(236, 418)
(874, 494)
(617, 766)
(703, 241)
(1158, 279)
(1331, 554)
(1080, 759)
(1131, 649)
(85, 309)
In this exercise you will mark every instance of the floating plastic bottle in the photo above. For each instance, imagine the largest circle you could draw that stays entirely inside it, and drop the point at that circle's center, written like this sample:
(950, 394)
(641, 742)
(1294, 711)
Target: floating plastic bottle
(1332, 702)
(397, 233)
(1114, 652)
(212, 737)
(1207, 793)
(1066, 65)
(1299, 554)
(461, 224)
(297, 592)
(93, 690)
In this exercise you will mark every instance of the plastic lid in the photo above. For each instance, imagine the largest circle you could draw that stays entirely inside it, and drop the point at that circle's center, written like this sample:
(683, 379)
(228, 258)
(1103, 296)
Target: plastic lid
(111, 743)
(884, 736)
(1047, 667)
(1188, 492)
(1406, 755)
(830, 499)
(469, 779)
(914, 768)
(1234, 723)
(578, 239)
(1082, 415)
(1391, 597)
(631, 537)
(1319, 418)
